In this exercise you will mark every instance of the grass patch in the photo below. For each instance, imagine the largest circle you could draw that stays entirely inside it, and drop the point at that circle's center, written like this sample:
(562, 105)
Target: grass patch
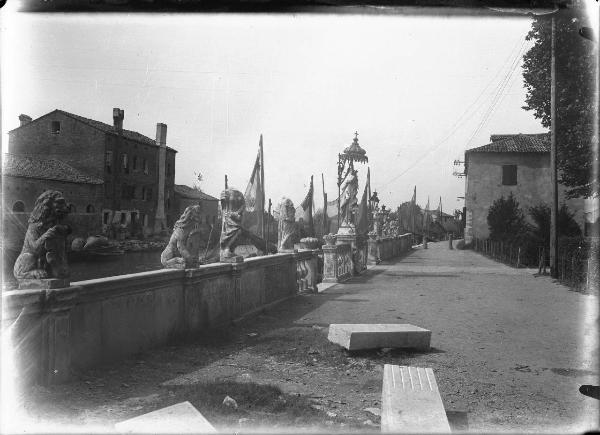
(259, 405)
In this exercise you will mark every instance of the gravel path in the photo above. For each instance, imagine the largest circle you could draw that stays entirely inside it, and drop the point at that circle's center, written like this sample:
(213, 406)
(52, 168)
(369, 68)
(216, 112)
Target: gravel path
(509, 352)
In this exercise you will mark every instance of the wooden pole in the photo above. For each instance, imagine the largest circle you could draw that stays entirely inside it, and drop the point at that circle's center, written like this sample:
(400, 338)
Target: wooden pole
(553, 172)
(262, 186)
(268, 225)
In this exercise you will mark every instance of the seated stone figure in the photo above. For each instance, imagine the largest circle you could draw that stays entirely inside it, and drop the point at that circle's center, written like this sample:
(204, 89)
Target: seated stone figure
(44, 248)
(287, 230)
(233, 206)
(184, 247)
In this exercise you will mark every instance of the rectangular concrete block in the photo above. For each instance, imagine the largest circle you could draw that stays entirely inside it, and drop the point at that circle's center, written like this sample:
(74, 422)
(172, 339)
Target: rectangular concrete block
(177, 419)
(357, 336)
(411, 401)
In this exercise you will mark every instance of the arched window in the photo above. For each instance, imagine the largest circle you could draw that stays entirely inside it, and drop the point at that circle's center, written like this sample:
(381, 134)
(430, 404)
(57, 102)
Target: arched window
(89, 209)
(18, 207)
(72, 208)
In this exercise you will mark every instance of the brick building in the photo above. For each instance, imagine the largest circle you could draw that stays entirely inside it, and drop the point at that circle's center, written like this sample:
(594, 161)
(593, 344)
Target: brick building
(517, 163)
(186, 196)
(138, 172)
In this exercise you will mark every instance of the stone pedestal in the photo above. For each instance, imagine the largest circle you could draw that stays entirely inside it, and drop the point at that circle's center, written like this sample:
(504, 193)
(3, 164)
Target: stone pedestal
(56, 335)
(374, 255)
(359, 249)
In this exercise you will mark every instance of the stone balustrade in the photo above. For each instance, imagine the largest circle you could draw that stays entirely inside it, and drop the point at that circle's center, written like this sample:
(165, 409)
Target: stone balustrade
(307, 270)
(338, 263)
(55, 331)
(386, 248)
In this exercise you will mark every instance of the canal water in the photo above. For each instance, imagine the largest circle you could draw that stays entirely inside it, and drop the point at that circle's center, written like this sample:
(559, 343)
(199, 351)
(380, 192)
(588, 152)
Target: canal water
(100, 267)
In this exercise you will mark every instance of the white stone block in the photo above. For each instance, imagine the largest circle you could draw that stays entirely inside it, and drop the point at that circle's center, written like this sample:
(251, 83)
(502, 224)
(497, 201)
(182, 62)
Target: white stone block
(180, 418)
(411, 401)
(357, 336)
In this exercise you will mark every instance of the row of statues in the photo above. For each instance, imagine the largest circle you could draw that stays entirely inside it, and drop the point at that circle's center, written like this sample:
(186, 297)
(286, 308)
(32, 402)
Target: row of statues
(44, 251)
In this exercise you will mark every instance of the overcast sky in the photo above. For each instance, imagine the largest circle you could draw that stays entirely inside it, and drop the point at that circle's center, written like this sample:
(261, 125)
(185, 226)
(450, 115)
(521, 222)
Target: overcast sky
(419, 91)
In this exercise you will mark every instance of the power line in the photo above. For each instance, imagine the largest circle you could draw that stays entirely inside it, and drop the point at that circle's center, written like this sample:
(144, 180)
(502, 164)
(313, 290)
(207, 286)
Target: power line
(457, 124)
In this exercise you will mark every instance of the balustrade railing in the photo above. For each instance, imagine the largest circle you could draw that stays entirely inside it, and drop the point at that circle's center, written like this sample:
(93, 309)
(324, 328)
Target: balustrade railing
(577, 264)
(307, 270)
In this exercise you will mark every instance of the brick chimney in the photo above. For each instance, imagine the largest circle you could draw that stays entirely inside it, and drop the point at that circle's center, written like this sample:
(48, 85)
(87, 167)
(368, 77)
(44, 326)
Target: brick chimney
(118, 116)
(160, 221)
(24, 119)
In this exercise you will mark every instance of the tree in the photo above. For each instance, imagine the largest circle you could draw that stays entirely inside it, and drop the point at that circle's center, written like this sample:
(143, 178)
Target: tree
(566, 225)
(506, 220)
(576, 101)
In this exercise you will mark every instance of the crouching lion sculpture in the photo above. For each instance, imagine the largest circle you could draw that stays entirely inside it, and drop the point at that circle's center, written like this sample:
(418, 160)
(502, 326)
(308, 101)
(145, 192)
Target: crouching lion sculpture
(44, 248)
(184, 245)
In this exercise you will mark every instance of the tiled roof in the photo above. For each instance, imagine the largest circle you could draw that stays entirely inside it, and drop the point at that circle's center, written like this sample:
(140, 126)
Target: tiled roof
(498, 137)
(107, 128)
(517, 143)
(48, 169)
(188, 192)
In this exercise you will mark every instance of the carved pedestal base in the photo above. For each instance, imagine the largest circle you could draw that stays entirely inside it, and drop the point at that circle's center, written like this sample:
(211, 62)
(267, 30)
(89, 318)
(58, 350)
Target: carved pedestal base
(45, 284)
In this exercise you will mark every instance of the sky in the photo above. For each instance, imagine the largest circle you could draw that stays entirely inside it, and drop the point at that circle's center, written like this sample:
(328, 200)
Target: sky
(419, 90)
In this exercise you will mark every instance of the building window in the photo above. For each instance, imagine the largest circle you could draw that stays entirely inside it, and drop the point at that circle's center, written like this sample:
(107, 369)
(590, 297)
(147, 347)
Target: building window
(125, 163)
(105, 217)
(18, 207)
(123, 218)
(168, 204)
(55, 127)
(90, 209)
(150, 198)
(108, 161)
(146, 166)
(134, 163)
(509, 175)
(72, 208)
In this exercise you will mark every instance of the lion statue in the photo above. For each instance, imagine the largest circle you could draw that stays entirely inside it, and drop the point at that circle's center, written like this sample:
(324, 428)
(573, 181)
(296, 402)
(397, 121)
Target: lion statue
(184, 245)
(287, 231)
(44, 253)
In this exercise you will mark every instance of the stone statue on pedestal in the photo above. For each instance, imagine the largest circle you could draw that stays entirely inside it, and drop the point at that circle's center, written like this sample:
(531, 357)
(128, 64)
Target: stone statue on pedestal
(184, 245)
(349, 201)
(287, 231)
(44, 253)
(232, 206)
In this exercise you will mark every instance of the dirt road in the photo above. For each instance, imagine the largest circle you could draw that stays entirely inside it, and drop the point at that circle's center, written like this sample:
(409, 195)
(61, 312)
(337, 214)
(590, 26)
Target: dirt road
(509, 352)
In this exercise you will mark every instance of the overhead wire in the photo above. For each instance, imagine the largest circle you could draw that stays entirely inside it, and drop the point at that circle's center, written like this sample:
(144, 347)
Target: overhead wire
(511, 58)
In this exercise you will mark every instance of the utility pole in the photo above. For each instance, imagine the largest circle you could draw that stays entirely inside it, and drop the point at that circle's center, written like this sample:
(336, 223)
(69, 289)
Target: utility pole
(553, 171)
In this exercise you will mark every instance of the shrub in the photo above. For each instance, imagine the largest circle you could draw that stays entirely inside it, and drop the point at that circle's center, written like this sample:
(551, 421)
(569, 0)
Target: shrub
(506, 220)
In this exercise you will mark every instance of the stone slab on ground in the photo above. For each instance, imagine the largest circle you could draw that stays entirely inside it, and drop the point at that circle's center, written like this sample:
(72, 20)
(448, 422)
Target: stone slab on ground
(359, 336)
(177, 419)
(411, 401)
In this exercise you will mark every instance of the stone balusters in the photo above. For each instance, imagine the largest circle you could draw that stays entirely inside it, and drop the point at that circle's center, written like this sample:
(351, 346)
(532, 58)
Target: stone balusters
(338, 261)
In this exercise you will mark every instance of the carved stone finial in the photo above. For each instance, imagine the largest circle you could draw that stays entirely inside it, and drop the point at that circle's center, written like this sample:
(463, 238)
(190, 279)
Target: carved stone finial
(44, 253)
(287, 226)
(184, 245)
